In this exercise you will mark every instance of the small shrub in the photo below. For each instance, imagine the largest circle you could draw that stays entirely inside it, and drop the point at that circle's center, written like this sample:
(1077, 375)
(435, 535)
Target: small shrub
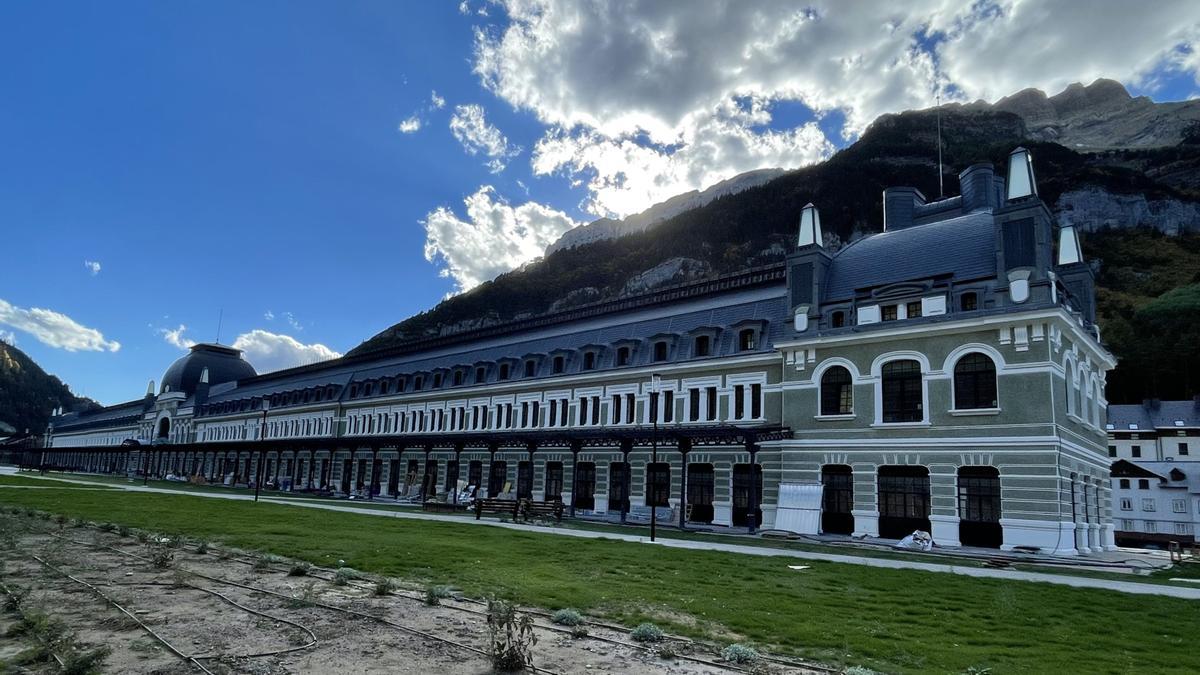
(261, 564)
(666, 652)
(85, 662)
(567, 617)
(202, 547)
(306, 598)
(61, 520)
(343, 576)
(299, 569)
(736, 653)
(123, 530)
(385, 586)
(161, 556)
(647, 632)
(15, 598)
(579, 632)
(142, 536)
(435, 594)
(511, 637)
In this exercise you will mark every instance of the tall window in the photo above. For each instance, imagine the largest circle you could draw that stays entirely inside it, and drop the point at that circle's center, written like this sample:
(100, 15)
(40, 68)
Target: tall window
(560, 364)
(589, 360)
(480, 375)
(837, 392)
(503, 375)
(437, 380)
(530, 366)
(703, 346)
(658, 484)
(623, 356)
(458, 377)
(554, 482)
(660, 350)
(975, 382)
(902, 399)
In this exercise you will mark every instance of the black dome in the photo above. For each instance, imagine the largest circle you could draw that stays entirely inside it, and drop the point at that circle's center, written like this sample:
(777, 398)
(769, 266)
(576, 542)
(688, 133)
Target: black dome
(224, 364)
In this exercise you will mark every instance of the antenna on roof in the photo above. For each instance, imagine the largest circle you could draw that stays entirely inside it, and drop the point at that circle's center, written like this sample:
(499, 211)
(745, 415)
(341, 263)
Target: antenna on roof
(941, 191)
(220, 315)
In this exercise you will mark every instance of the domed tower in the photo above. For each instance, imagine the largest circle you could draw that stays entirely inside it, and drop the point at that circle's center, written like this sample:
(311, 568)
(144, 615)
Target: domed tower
(224, 364)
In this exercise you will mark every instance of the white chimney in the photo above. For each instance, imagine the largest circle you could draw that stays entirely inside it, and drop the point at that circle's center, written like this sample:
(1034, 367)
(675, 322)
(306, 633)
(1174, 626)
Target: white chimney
(1020, 175)
(1068, 246)
(810, 227)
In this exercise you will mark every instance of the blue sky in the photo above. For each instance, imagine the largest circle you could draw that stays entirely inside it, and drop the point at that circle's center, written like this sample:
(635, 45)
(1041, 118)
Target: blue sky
(314, 172)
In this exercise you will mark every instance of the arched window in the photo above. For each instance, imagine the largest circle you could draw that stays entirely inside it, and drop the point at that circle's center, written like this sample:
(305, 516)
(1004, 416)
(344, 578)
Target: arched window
(660, 350)
(837, 392)
(747, 340)
(975, 382)
(902, 397)
(703, 346)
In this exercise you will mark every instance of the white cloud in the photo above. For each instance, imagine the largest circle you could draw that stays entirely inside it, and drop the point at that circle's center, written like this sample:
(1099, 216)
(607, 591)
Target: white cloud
(269, 315)
(268, 351)
(495, 236)
(55, 329)
(410, 125)
(683, 91)
(436, 101)
(471, 128)
(175, 338)
(92, 266)
(291, 319)
(8, 337)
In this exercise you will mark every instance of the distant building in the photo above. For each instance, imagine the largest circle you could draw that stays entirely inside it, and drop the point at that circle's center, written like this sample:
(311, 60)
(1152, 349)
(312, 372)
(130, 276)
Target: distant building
(945, 375)
(1155, 431)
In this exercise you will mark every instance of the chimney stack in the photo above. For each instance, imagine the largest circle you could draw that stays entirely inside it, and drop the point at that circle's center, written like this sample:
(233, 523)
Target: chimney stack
(899, 206)
(978, 186)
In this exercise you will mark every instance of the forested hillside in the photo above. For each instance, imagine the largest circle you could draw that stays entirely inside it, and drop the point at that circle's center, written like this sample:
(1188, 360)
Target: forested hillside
(28, 394)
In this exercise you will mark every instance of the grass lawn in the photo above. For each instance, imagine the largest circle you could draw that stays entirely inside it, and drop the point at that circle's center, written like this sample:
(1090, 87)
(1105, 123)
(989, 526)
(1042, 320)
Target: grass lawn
(44, 482)
(890, 620)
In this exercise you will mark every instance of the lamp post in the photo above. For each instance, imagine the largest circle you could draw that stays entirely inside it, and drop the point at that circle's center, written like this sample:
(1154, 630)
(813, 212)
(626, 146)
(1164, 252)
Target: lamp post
(262, 437)
(655, 380)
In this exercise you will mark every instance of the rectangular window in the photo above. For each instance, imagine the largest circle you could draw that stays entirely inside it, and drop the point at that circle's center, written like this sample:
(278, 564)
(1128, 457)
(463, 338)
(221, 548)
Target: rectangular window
(616, 409)
(668, 406)
(712, 403)
(1143, 483)
(1112, 451)
(630, 408)
(497, 475)
(888, 312)
(1126, 504)
(913, 309)
(693, 405)
(554, 482)
(756, 401)
(1148, 504)
(583, 410)
(589, 361)
(560, 364)
(1124, 483)
(658, 484)
(1179, 505)
(1150, 529)
(595, 410)
(1183, 448)
(1127, 525)
(739, 401)
(562, 415)
(503, 375)
(1136, 450)
(584, 495)
(1183, 528)
(553, 412)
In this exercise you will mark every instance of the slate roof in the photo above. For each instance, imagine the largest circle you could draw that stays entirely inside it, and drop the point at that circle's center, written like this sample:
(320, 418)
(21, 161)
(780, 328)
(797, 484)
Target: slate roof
(1190, 470)
(960, 249)
(1162, 415)
(102, 417)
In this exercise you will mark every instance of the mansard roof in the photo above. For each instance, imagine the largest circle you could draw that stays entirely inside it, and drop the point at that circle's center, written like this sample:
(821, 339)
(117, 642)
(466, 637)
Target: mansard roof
(1153, 415)
(121, 414)
(956, 249)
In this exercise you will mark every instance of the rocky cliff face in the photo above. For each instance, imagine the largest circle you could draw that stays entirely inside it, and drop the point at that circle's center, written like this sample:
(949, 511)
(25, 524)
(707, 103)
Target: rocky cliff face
(1100, 116)
(1093, 209)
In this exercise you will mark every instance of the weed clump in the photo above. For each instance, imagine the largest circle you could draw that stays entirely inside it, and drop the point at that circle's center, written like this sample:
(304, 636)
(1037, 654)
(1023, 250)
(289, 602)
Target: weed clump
(736, 653)
(202, 547)
(299, 569)
(647, 632)
(567, 617)
(343, 576)
(161, 556)
(435, 594)
(306, 598)
(511, 637)
(385, 586)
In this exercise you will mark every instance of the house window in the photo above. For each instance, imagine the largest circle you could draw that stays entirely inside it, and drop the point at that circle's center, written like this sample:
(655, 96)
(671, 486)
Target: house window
(384, 386)
(554, 482)
(756, 401)
(503, 371)
(418, 383)
(888, 312)
(703, 346)
(1112, 451)
(712, 403)
(584, 494)
(1127, 525)
(616, 408)
(437, 380)
(1150, 529)
(1179, 505)
(747, 340)
(660, 350)
(1183, 448)
(530, 366)
(1148, 504)
(559, 364)
(668, 406)
(658, 481)
(623, 356)
(1124, 483)
(902, 399)
(837, 392)
(480, 375)
(589, 360)
(353, 394)
(974, 382)
(838, 320)
(1143, 484)
(1126, 504)
(913, 309)
(693, 405)
(458, 377)
(739, 401)
(1136, 450)
(1183, 528)
(969, 302)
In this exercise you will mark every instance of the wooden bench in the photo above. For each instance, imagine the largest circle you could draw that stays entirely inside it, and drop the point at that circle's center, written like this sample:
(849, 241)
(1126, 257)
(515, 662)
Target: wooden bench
(502, 507)
(552, 509)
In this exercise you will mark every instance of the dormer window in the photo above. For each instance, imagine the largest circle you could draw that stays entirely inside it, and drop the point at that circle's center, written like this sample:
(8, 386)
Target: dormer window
(458, 377)
(747, 340)
(623, 354)
(437, 380)
(703, 346)
(589, 360)
(888, 312)
(660, 350)
(969, 302)
(560, 364)
(913, 309)
(353, 394)
(400, 382)
(530, 367)
(503, 375)
(419, 383)
(385, 386)
(480, 374)
(838, 319)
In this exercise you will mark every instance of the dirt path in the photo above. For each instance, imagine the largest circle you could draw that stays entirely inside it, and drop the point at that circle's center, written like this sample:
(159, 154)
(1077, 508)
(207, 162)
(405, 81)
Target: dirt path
(448, 638)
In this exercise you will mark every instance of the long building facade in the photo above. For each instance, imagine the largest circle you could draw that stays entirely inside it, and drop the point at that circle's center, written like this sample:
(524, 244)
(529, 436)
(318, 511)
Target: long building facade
(945, 374)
